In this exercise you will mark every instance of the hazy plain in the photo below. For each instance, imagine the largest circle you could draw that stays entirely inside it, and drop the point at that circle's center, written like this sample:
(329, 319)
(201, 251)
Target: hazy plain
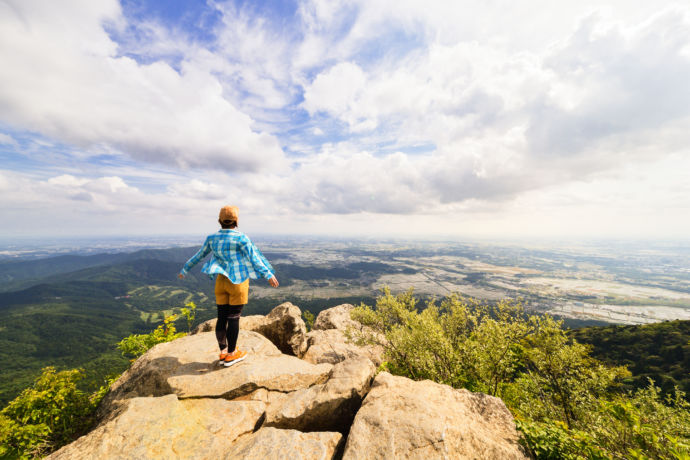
(633, 282)
(621, 283)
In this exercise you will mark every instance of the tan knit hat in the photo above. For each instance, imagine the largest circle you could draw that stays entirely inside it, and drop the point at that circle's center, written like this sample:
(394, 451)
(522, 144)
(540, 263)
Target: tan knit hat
(229, 213)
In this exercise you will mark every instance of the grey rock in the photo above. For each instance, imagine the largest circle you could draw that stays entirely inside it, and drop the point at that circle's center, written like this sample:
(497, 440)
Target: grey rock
(276, 444)
(332, 346)
(335, 318)
(188, 367)
(327, 407)
(164, 428)
(285, 327)
(401, 418)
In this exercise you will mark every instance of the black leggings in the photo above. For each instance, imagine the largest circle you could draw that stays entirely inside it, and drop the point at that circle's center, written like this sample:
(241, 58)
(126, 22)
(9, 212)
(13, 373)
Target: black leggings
(228, 326)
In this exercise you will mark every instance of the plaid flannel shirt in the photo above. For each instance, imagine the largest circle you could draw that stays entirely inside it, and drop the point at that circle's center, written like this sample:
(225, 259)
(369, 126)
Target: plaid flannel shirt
(234, 255)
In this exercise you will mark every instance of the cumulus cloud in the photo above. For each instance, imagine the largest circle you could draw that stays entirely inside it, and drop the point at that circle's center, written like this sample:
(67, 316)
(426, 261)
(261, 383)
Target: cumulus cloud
(63, 77)
(504, 123)
(198, 189)
(397, 108)
(107, 203)
(629, 79)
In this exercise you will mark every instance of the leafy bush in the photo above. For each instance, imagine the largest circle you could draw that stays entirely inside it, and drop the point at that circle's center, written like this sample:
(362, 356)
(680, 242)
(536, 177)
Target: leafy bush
(552, 440)
(46, 415)
(308, 319)
(643, 424)
(189, 312)
(558, 378)
(639, 425)
(136, 345)
(54, 411)
(567, 404)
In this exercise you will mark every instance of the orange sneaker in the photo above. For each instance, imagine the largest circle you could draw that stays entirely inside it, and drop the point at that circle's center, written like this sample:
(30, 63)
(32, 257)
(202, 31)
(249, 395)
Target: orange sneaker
(234, 357)
(221, 357)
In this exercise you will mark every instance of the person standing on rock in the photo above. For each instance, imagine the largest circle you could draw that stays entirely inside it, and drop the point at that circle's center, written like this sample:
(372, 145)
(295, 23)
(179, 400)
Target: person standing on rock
(235, 259)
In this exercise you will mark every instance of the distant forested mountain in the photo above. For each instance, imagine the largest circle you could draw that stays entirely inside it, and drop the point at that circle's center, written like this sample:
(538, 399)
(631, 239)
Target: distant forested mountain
(70, 311)
(16, 274)
(659, 351)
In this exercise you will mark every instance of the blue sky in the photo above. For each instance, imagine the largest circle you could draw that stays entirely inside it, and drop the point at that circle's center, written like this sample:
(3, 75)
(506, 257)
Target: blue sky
(466, 119)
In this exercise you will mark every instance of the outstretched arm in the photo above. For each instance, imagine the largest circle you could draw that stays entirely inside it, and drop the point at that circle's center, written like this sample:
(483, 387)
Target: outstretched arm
(196, 258)
(259, 262)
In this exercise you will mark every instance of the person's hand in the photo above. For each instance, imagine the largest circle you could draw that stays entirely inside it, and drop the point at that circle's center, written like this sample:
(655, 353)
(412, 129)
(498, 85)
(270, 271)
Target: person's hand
(273, 282)
(180, 275)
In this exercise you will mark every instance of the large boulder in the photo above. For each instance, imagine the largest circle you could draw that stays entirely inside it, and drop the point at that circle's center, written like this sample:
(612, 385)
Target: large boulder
(251, 323)
(330, 406)
(188, 367)
(285, 327)
(164, 427)
(281, 373)
(276, 444)
(332, 346)
(401, 418)
(335, 318)
(206, 326)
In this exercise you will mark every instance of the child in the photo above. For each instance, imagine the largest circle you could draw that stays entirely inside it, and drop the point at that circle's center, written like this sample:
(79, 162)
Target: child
(235, 259)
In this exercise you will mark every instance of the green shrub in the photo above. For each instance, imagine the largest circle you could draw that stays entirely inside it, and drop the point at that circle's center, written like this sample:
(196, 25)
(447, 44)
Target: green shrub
(552, 440)
(558, 379)
(54, 411)
(136, 345)
(47, 415)
(462, 344)
(567, 404)
(640, 425)
(643, 424)
(308, 319)
(189, 312)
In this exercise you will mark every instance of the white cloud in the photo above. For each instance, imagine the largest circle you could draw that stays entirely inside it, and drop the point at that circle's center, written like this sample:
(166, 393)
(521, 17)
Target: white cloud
(89, 205)
(504, 123)
(334, 90)
(67, 180)
(6, 139)
(198, 189)
(391, 109)
(62, 77)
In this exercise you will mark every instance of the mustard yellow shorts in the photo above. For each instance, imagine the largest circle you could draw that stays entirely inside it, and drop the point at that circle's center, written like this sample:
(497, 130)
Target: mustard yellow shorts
(228, 293)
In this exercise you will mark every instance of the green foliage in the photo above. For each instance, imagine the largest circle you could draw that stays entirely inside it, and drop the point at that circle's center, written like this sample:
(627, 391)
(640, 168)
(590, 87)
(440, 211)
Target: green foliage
(560, 380)
(73, 318)
(552, 440)
(46, 415)
(308, 319)
(639, 425)
(136, 345)
(462, 344)
(659, 351)
(567, 404)
(189, 312)
(643, 424)
(54, 411)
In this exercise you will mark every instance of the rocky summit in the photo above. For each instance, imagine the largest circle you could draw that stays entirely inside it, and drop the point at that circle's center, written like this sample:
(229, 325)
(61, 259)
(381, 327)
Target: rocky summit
(297, 395)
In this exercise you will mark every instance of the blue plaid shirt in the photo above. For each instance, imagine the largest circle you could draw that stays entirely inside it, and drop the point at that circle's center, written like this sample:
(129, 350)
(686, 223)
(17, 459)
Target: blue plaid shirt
(234, 255)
